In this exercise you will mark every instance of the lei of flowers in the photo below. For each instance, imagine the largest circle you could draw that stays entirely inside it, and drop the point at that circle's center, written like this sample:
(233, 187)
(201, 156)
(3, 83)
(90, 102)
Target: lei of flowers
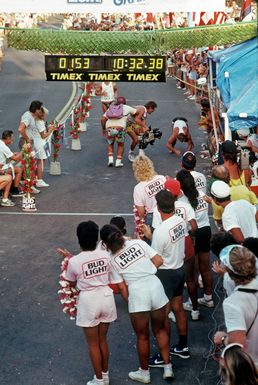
(55, 140)
(138, 222)
(75, 124)
(29, 168)
(85, 101)
(67, 294)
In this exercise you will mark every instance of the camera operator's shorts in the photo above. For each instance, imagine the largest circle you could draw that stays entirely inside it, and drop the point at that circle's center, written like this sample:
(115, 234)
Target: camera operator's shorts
(173, 281)
(115, 134)
(133, 127)
(146, 294)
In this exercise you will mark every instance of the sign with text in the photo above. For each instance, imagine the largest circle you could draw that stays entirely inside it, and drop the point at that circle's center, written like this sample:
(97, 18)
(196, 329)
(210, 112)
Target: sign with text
(111, 6)
(105, 68)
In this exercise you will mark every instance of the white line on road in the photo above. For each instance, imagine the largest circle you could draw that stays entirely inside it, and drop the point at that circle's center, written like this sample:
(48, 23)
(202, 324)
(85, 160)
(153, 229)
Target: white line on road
(67, 214)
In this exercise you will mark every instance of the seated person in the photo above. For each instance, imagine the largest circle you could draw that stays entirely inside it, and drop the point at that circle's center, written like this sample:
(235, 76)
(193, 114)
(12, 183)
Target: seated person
(180, 131)
(6, 156)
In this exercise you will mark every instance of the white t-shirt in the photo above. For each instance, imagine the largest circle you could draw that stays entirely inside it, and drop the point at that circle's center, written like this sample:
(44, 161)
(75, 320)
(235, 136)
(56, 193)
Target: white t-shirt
(182, 209)
(122, 121)
(240, 214)
(144, 192)
(108, 90)
(33, 126)
(5, 153)
(200, 181)
(90, 269)
(201, 211)
(169, 241)
(133, 262)
(239, 312)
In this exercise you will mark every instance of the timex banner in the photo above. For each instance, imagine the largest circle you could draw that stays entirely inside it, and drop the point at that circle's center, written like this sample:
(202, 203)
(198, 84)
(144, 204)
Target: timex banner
(111, 6)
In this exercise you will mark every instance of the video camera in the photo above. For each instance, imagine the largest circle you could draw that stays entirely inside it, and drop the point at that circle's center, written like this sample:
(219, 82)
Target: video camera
(149, 137)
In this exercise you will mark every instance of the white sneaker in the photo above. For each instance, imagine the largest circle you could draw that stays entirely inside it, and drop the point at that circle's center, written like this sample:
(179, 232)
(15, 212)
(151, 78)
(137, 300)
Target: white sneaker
(95, 381)
(204, 302)
(195, 314)
(119, 163)
(105, 378)
(191, 97)
(41, 183)
(168, 372)
(140, 376)
(187, 306)
(171, 316)
(131, 156)
(7, 203)
(35, 190)
(110, 161)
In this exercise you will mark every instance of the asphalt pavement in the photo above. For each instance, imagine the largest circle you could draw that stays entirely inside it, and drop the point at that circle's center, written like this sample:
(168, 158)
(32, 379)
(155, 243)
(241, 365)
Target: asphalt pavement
(39, 344)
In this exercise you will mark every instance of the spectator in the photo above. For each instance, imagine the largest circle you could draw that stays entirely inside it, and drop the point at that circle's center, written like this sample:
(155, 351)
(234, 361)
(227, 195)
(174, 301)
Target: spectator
(90, 272)
(237, 366)
(6, 156)
(189, 163)
(202, 235)
(150, 183)
(239, 217)
(5, 184)
(240, 308)
(144, 293)
(169, 241)
(181, 132)
(237, 176)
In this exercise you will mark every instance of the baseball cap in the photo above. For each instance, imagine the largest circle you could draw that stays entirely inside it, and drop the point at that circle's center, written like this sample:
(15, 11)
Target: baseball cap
(173, 186)
(220, 189)
(188, 160)
(224, 256)
(229, 147)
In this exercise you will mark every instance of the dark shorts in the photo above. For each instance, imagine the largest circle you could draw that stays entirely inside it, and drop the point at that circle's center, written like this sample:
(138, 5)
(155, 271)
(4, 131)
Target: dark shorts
(202, 239)
(173, 281)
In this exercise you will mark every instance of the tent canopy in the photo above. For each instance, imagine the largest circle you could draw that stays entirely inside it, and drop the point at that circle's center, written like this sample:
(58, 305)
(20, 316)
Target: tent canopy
(238, 83)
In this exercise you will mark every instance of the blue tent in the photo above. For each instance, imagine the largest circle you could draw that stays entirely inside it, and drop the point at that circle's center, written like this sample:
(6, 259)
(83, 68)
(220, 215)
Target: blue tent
(238, 83)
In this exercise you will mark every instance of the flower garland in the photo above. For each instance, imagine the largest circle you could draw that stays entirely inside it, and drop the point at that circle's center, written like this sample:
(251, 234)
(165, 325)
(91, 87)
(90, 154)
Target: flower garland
(85, 102)
(75, 124)
(67, 293)
(138, 222)
(55, 140)
(29, 168)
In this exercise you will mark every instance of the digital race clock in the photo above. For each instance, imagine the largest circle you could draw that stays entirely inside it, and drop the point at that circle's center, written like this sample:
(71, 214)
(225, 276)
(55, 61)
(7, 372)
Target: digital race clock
(105, 68)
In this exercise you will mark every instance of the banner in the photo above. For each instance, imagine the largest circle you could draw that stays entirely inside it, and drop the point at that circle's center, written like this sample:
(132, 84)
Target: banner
(110, 6)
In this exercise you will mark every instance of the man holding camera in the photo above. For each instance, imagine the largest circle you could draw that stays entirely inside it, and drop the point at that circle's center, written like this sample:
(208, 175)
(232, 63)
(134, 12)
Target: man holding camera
(136, 125)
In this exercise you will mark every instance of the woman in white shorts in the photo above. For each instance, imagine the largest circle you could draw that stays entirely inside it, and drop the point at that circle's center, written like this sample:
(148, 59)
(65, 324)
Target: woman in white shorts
(90, 272)
(134, 265)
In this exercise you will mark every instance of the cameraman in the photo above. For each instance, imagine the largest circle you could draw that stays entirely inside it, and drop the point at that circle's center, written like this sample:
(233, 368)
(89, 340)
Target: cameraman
(136, 125)
(181, 132)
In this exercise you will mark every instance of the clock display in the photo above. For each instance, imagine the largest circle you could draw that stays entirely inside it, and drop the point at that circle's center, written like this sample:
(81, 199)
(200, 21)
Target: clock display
(102, 68)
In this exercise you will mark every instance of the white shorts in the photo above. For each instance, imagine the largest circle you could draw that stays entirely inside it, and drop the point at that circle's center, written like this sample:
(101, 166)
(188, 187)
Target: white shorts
(38, 147)
(96, 306)
(147, 294)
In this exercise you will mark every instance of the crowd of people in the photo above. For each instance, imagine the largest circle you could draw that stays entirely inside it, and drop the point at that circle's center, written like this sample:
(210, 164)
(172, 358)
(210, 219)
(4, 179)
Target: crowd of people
(150, 270)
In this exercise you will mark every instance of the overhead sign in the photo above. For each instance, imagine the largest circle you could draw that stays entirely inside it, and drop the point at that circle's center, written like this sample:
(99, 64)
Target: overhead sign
(111, 6)
(105, 68)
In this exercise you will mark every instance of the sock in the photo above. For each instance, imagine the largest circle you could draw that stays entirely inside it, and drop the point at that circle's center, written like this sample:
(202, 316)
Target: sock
(4, 199)
(182, 341)
(145, 371)
(207, 297)
(168, 366)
